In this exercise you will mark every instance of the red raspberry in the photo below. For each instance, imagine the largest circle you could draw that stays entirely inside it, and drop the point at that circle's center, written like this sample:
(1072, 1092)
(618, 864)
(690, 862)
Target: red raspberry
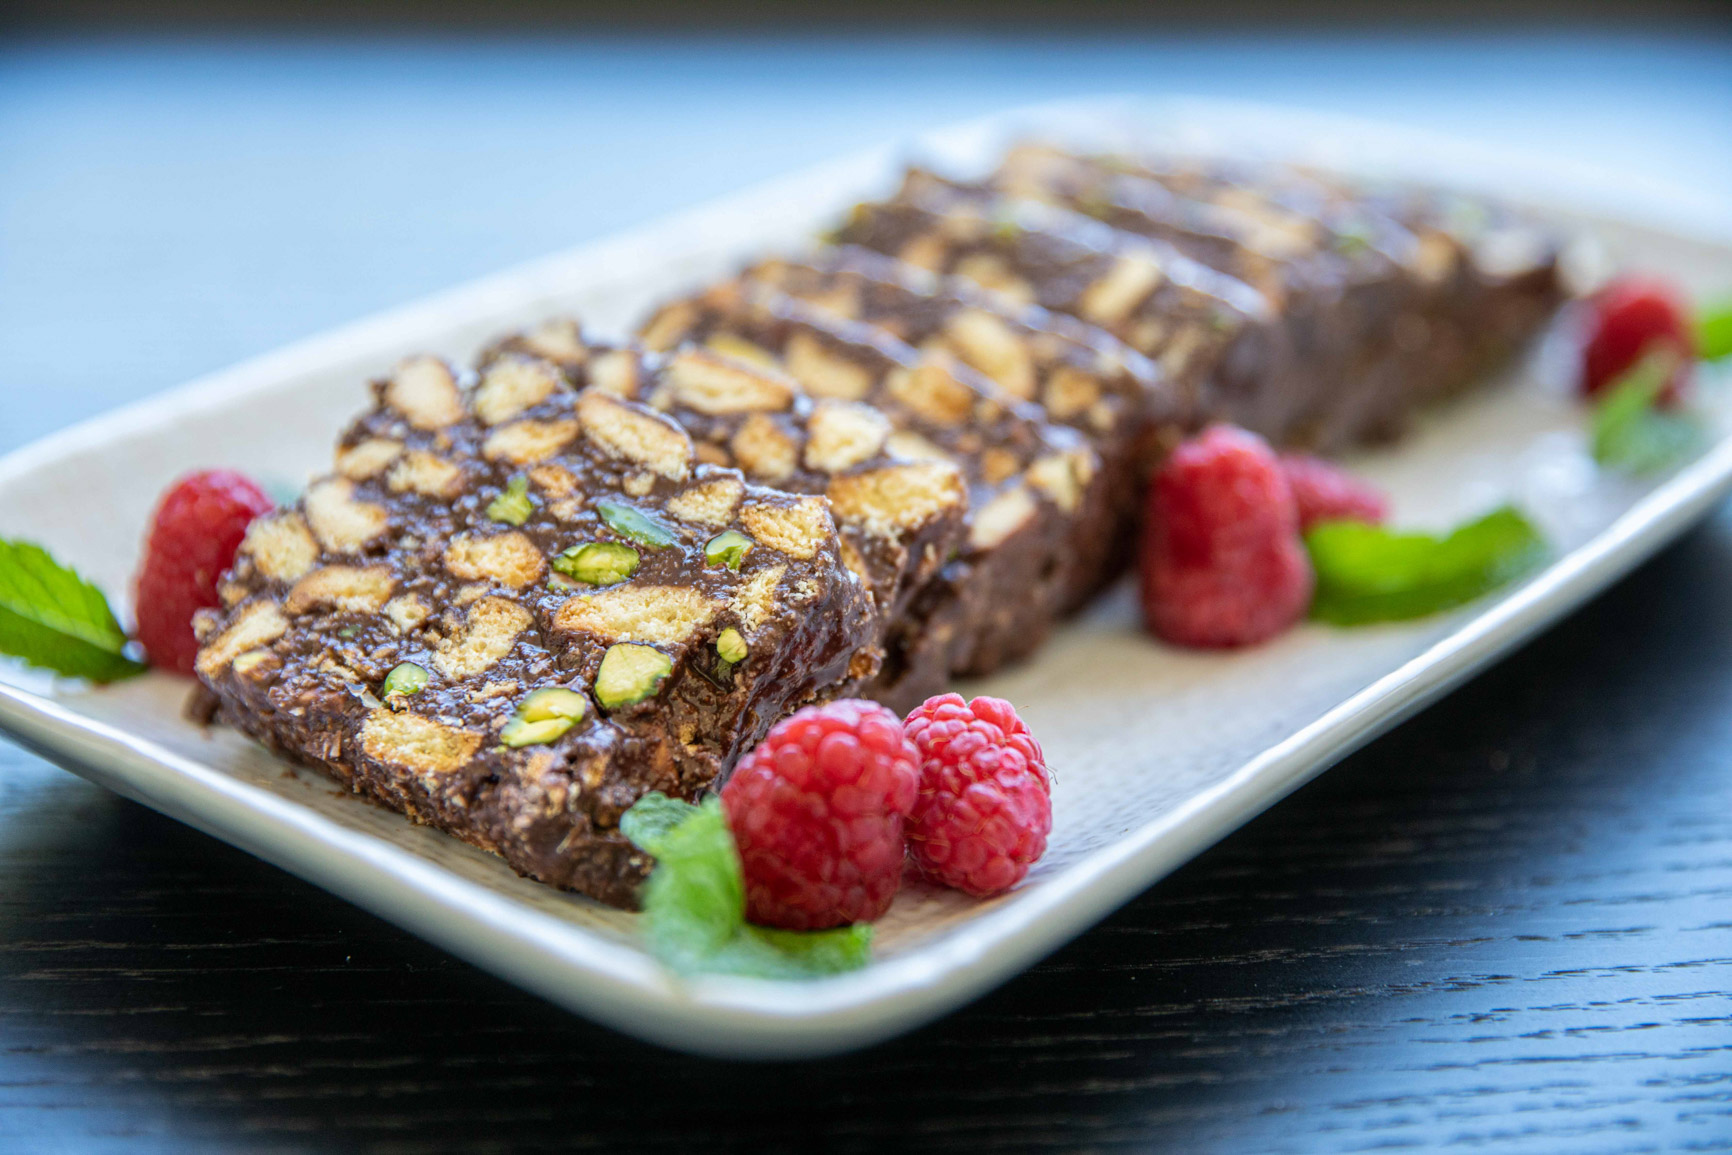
(1324, 491)
(817, 809)
(198, 526)
(1222, 564)
(1631, 317)
(985, 805)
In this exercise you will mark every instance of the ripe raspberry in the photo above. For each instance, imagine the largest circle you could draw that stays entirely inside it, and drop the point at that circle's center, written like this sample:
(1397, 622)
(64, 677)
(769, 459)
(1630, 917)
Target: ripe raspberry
(1323, 491)
(1631, 317)
(985, 805)
(198, 526)
(1222, 564)
(817, 811)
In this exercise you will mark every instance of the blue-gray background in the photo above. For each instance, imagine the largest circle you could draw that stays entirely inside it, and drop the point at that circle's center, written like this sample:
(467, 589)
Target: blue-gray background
(169, 206)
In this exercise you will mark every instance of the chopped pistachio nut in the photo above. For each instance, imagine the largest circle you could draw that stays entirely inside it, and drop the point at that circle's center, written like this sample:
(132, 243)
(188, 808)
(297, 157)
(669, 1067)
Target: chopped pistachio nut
(731, 645)
(635, 525)
(553, 702)
(406, 678)
(600, 563)
(544, 717)
(519, 732)
(1353, 238)
(559, 583)
(729, 549)
(630, 673)
(513, 506)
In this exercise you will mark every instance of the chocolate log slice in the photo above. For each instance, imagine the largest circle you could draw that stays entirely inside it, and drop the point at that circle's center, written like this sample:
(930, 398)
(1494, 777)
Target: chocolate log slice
(501, 613)
(1217, 341)
(1038, 501)
(1391, 297)
(1078, 374)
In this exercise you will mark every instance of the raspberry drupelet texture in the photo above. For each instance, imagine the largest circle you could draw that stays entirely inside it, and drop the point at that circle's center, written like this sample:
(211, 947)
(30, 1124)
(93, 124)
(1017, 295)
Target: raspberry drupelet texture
(817, 812)
(985, 805)
(1631, 317)
(1323, 491)
(1222, 563)
(198, 525)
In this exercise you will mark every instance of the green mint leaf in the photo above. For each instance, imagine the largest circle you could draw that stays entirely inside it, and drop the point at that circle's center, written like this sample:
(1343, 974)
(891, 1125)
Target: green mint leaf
(52, 618)
(1366, 573)
(1630, 433)
(694, 905)
(1714, 331)
(652, 817)
(815, 952)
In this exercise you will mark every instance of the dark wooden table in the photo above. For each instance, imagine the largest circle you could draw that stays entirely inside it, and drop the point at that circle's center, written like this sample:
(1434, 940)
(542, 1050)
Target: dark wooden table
(1506, 925)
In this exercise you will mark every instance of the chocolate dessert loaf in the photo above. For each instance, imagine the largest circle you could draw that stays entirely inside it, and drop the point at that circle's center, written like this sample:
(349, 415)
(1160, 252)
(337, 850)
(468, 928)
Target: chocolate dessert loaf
(530, 594)
(1038, 500)
(514, 609)
(1078, 374)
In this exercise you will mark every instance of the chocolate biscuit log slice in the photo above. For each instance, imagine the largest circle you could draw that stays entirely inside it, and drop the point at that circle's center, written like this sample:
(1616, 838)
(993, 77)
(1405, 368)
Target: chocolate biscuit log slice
(1408, 296)
(1217, 341)
(1338, 282)
(1036, 491)
(1080, 375)
(900, 519)
(407, 626)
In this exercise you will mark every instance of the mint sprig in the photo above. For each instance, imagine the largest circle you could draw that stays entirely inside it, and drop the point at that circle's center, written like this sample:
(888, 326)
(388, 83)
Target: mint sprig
(1366, 573)
(1631, 433)
(653, 818)
(53, 618)
(1714, 331)
(694, 905)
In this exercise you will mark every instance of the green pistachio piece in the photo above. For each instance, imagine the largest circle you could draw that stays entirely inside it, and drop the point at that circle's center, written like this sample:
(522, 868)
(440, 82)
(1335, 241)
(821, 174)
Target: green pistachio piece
(630, 673)
(634, 524)
(559, 583)
(1095, 204)
(521, 732)
(405, 678)
(553, 702)
(729, 549)
(600, 563)
(513, 506)
(731, 645)
(1353, 238)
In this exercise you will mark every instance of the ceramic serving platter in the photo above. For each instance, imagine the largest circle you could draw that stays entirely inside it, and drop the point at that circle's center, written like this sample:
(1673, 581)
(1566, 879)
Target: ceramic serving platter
(1158, 752)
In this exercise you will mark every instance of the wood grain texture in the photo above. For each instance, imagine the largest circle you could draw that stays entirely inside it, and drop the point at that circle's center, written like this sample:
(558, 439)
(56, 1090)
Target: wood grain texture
(1505, 926)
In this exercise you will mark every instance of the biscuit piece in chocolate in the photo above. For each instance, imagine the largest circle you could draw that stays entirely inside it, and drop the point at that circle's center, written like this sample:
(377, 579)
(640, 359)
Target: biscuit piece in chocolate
(501, 614)
(1036, 490)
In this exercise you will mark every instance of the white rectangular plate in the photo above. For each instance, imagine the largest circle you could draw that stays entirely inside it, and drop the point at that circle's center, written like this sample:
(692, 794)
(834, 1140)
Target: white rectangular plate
(1158, 752)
